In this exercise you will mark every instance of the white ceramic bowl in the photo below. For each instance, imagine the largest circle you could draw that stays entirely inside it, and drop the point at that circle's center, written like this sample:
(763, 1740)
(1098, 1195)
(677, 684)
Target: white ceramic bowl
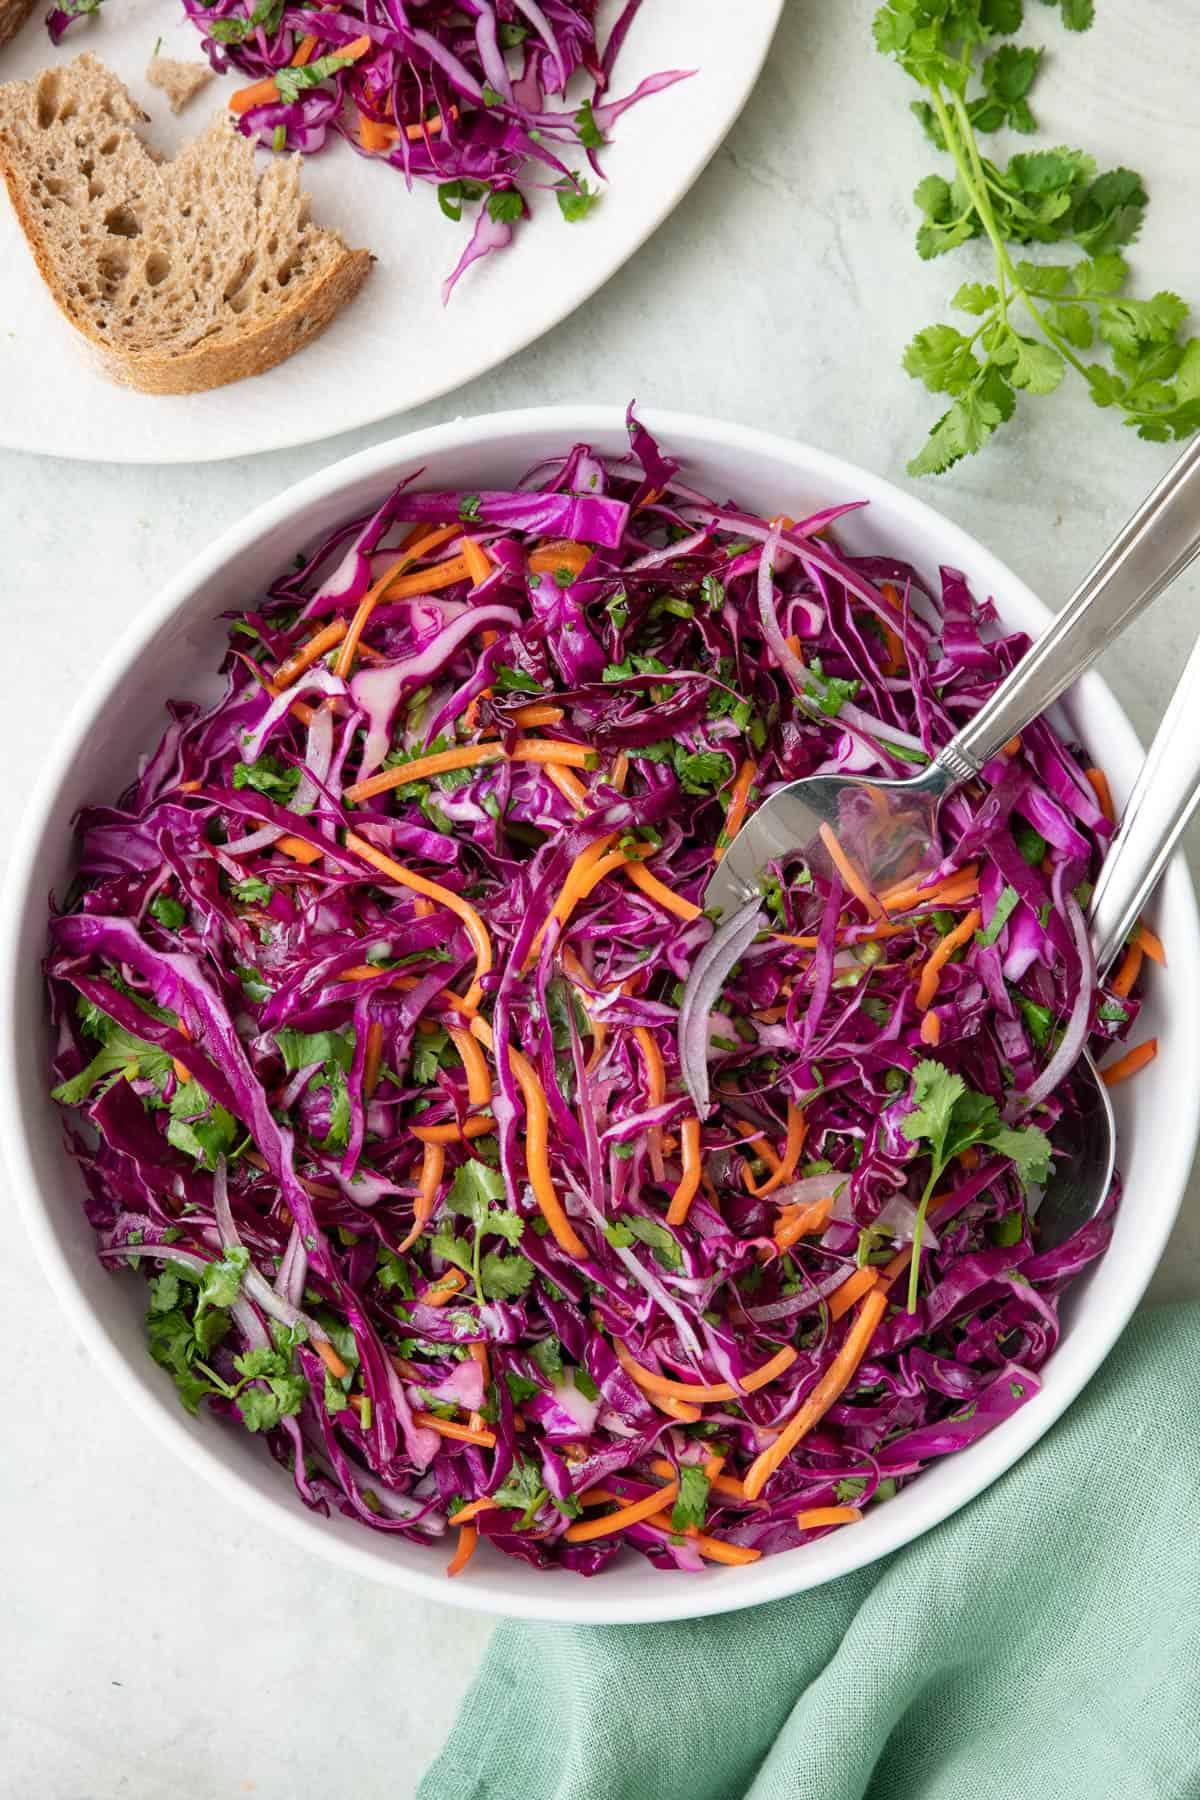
(170, 648)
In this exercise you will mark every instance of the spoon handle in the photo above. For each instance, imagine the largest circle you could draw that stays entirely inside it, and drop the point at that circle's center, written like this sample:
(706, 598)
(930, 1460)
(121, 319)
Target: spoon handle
(1155, 546)
(1162, 801)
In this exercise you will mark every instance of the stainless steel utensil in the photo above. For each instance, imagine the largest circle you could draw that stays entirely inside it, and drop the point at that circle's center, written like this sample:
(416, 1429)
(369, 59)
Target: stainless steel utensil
(888, 829)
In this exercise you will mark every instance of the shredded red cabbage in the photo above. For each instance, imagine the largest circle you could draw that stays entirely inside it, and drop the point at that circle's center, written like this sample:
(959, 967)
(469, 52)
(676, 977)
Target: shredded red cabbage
(466, 95)
(267, 982)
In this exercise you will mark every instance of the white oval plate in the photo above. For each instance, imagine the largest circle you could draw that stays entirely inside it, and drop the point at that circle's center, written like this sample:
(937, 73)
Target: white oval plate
(169, 649)
(396, 346)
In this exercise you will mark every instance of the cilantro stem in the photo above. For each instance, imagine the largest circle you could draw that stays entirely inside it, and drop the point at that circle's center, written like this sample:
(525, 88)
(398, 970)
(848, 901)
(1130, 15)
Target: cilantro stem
(914, 1267)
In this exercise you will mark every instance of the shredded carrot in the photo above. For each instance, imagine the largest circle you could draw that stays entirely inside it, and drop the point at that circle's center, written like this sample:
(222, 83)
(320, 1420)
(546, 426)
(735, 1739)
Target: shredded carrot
(432, 1169)
(721, 1484)
(329, 1357)
(561, 553)
(843, 1298)
(654, 889)
(931, 1030)
(797, 1131)
(816, 1516)
(829, 1389)
(372, 1057)
(713, 1549)
(1130, 1063)
(568, 785)
(583, 1530)
(1150, 944)
(962, 934)
(311, 651)
(656, 1075)
(468, 1543)
(472, 1510)
(374, 134)
(713, 1465)
(478, 1125)
(1098, 782)
(538, 712)
(666, 1388)
(304, 51)
(462, 909)
(443, 574)
(620, 771)
(895, 649)
(479, 1354)
(537, 1140)
(444, 1288)
(683, 1410)
(477, 560)
(431, 126)
(968, 1158)
(479, 1080)
(1131, 963)
(802, 1221)
(450, 1428)
(1013, 747)
(262, 93)
(590, 868)
(689, 1181)
(909, 893)
(851, 876)
(299, 849)
(469, 756)
(739, 799)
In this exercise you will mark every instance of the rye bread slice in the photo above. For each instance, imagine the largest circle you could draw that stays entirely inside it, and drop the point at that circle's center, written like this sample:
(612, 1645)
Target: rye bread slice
(180, 275)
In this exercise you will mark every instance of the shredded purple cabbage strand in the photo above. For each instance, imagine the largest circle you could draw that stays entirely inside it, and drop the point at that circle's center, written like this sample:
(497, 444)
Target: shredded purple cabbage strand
(467, 95)
(251, 1022)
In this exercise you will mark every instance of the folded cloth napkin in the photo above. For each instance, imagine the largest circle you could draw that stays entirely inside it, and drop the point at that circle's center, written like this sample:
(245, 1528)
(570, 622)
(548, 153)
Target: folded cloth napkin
(1045, 1641)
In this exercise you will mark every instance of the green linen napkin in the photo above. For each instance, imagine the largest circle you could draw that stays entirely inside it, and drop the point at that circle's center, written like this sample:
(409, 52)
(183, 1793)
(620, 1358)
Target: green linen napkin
(1044, 1642)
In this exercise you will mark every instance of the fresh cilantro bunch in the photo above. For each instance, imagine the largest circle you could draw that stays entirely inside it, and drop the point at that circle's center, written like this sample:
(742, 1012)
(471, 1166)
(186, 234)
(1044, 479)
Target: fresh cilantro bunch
(947, 1117)
(1033, 321)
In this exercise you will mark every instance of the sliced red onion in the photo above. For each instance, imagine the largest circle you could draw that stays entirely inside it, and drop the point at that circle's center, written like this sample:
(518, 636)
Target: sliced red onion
(784, 654)
(727, 945)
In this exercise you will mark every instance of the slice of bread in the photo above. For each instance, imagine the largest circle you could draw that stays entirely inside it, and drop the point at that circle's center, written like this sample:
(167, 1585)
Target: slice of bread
(180, 275)
(179, 81)
(13, 14)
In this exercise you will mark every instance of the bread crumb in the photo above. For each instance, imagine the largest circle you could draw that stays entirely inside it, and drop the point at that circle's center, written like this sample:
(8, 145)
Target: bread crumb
(179, 81)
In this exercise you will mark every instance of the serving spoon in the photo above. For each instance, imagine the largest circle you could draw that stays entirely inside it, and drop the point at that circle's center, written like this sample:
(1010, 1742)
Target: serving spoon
(1162, 801)
(879, 831)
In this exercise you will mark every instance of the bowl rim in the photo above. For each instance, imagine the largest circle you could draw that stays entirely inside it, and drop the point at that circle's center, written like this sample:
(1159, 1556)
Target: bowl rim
(662, 1600)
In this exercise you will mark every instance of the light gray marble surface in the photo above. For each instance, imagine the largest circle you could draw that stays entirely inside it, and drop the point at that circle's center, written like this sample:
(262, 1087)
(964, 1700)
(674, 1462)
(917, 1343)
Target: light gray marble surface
(156, 1644)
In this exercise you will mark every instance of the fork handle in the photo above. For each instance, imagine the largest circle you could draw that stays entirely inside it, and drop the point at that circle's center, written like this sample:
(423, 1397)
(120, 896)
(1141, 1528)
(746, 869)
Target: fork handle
(1155, 546)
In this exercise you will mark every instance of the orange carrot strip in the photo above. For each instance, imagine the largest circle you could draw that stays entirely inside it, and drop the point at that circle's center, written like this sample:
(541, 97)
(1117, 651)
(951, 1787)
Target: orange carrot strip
(538, 712)
(655, 890)
(261, 93)
(1131, 963)
(620, 771)
(588, 870)
(444, 1288)
(652, 1062)
(329, 1357)
(689, 1181)
(829, 1389)
(910, 893)
(561, 553)
(450, 1428)
(432, 1169)
(462, 909)
(739, 799)
(441, 575)
(468, 1543)
(309, 652)
(665, 1387)
(568, 785)
(1098, 782)
(374, 134)
(797, 1131)
(713, 1549)
(1130, 1063)
(1013, 747)
(479, 1354)
(963, 932)
(683, 1410)
(843, 1298)
(931, 1029)
(478, 1125)
(477, 560)
(1150, 944)
(304, 51)
(721, 1484)
(802, 1221)
(299, 849)
(583, 1530)
(479, 1080)
(816, 1516)
(372, 1057)
(468, 756)
(852, 876)
(432, 126)
(465, 1514)
(537, 1139)
(895, 648)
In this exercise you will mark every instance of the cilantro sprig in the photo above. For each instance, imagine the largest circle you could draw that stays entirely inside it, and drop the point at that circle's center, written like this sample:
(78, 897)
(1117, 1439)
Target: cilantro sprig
(1033, 323)
(948, 1117)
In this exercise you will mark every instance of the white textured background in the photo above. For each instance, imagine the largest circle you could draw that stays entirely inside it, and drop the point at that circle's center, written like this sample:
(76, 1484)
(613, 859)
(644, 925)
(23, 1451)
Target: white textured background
(155, 1644)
